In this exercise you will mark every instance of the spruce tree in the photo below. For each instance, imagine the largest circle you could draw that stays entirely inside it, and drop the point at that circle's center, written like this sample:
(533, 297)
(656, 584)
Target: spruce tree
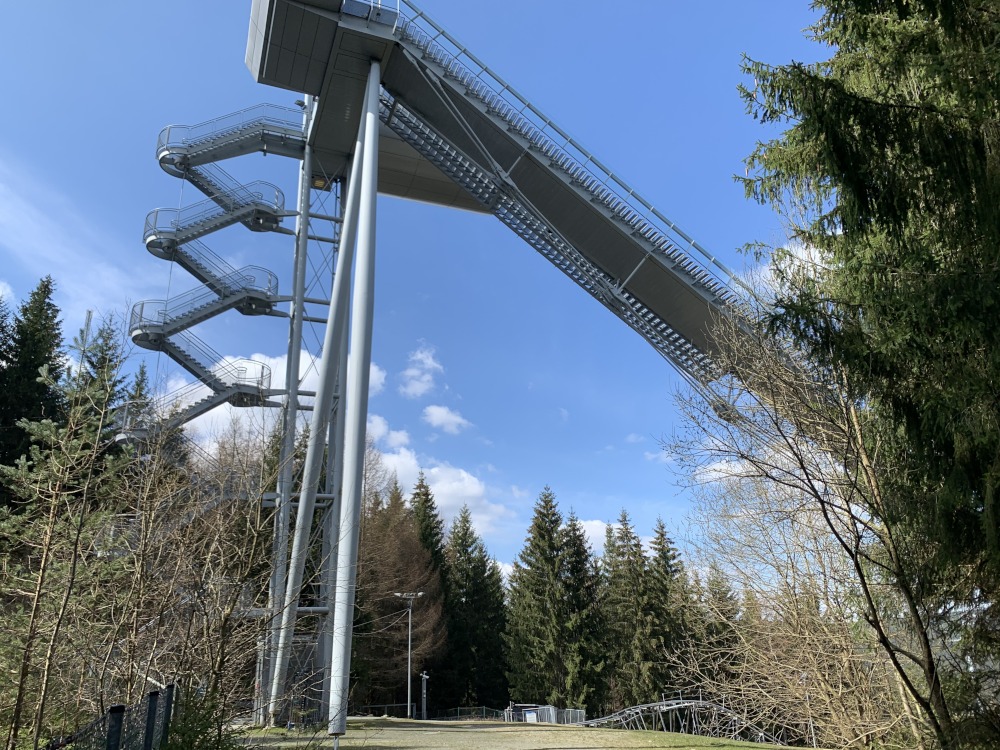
(429, 523)
(669, 607)
(888, 171)
(583, 625)
(476, 616)
(6, 336)
(535, 616)
(34, 346)
(67, 475)
(629, 643)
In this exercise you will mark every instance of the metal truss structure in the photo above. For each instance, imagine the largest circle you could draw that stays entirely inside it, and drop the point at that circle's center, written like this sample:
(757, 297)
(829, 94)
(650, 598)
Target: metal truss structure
(685, 716)
(391, 104)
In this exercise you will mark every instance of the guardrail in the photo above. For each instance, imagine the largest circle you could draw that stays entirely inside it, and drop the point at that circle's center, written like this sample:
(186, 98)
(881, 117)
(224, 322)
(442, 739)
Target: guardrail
(141, 726)
(500, 98)
(283, 118)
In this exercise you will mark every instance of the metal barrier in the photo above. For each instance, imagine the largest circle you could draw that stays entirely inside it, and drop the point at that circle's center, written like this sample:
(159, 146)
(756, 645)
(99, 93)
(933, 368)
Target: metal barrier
(141, 726)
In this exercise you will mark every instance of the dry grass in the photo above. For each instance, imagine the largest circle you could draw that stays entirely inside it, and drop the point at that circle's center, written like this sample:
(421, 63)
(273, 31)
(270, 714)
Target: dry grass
(400, 734)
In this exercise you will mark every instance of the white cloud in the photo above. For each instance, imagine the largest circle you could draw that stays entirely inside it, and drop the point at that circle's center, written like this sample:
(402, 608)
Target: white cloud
(563, 414)
(418, 378)
(659, 457)
(595, 531)
(517, 492)
(505, 570)
(43, 232)
(454, 487)
(376, 380)
(443, 418)
(378, 430)
(632, 438)
(7, 295)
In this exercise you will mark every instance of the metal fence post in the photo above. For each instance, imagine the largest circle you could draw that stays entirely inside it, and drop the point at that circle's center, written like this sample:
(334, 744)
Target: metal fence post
(148, 735)
(116, 715)
(168, 706)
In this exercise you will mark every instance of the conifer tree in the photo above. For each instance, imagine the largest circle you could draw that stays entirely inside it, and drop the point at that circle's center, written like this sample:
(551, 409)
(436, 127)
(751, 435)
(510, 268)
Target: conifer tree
(669, 608)
(35, 345)
(582, 633)
(392, 560)
(535, 616)
(476, 616)
(629, 642)
(429, 523)
(6, 336)
(68, 474)
(554, 630)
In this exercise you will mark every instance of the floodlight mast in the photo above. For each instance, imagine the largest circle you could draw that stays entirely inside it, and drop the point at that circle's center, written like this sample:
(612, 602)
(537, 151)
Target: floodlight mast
(409, 596)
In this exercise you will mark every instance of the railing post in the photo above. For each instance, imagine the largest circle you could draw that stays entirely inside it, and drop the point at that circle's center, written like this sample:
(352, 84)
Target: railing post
(147, 737)
(168, 707)
(116, 716)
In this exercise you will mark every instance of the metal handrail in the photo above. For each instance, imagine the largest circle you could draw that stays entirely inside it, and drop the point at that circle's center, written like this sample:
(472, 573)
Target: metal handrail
(236, 372)
(198, 252)
(256, 195)
(287, 120)
(419, 29)
(159, 312)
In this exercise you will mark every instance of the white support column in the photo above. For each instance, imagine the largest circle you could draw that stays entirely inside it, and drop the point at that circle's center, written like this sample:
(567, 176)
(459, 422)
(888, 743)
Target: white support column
(333, 489)
(358, 366)
(283, 502)
(329, 367)
(331, 523)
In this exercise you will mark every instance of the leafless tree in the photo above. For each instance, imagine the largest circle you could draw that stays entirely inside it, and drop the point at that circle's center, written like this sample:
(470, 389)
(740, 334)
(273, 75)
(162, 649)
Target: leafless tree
(799, 491)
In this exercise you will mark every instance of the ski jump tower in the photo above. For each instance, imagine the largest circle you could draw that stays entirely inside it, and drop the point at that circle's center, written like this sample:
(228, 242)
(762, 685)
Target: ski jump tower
(392, 104)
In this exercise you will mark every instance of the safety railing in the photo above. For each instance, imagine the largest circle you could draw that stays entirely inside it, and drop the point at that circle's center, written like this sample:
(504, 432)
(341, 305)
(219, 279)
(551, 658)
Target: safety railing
(257, 196)
(416, 28)
(284, 120)
(247, 280)
(142, 726)
(229, 372)
(199, 254)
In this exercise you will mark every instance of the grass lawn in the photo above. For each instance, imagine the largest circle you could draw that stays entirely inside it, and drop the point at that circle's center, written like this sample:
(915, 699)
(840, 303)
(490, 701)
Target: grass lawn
(401, 734)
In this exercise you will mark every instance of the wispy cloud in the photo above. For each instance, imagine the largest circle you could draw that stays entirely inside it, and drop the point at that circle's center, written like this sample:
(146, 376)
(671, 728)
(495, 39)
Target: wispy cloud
(418, 378)
(443, 418)
(659, 457)
(44, 232)
(632, 438)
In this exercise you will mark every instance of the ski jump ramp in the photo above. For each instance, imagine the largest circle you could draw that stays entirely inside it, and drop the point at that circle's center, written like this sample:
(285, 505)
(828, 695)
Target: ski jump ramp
(454, 133)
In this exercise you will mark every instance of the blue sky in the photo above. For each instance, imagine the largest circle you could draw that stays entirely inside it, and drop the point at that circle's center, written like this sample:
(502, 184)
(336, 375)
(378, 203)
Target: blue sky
(500, 375)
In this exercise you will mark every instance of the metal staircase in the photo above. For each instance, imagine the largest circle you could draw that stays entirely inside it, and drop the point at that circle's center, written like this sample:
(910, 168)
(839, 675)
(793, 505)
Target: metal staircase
(188, 152)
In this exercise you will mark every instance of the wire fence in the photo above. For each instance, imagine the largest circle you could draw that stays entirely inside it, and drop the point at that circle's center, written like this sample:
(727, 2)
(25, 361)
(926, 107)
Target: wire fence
(142, 726)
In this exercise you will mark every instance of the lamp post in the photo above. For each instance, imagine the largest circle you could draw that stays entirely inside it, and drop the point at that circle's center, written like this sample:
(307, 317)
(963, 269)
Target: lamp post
(409, 596)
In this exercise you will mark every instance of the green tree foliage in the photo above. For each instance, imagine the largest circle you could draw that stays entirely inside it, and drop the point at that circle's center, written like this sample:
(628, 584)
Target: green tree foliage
(630, 646)
(429, 523)
(890, 170)
(554, 626)
(583, 623)
(669, 597)
(537, 671)
(474, 668)
(68, 474)
(33, 343)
